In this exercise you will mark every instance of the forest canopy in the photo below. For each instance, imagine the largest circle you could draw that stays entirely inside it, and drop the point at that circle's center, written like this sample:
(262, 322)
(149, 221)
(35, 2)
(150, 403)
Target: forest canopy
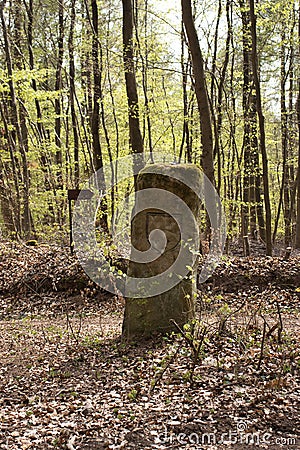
(64, 103)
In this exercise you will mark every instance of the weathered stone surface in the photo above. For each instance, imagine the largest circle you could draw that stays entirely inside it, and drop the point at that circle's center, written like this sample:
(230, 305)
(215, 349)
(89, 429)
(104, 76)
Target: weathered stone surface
(153, 230)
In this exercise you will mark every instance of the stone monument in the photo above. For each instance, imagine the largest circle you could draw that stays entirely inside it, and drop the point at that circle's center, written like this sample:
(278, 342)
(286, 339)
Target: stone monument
(165, 242)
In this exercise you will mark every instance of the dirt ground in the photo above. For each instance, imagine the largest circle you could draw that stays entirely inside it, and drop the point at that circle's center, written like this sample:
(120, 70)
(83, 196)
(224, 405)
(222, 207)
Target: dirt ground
(68, 381)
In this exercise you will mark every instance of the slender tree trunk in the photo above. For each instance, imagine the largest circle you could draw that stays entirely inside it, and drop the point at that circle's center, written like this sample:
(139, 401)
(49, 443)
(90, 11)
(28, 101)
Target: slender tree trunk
(261, 121)
(6, 203)
(200, 90)
(246, 112)
(297, 237)
(19, 61)
(285, 147)
(72, 95)
(31, 66)
(44, 160)
(135, 137)
(292, 142)
(97, 90)
(97, 150)
(58, 87)
(107, 138)
(21, 133)
(144, 63)
(252, 208)
(284, 194)
(218, 138)
(185, 129)
(16, 196)
(214, 57)
(170, 118)
(234, 181)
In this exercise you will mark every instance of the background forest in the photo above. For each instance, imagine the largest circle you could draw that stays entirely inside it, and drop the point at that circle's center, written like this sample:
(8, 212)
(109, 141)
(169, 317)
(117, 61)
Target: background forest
(64, 110)
(82, 84)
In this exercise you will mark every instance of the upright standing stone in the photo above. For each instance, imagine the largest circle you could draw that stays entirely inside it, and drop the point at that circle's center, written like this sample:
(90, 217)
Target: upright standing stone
(165, 232)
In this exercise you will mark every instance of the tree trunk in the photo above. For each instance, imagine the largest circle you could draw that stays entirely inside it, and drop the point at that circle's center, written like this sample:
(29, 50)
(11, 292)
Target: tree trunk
(144, 63)
(261, 121)
(11, 144)
(58, 87)
(21, 131)
(218, 150)
(97, 150)
(31, 66)
(135, 136)
(200, 90)
(97, 90)
(72, 96)
(297, 237)
(252, 210)
(186, 129)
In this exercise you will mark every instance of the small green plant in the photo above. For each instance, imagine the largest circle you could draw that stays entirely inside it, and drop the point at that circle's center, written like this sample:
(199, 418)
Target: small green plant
(53, 373)
(132, 395)
(74, 394)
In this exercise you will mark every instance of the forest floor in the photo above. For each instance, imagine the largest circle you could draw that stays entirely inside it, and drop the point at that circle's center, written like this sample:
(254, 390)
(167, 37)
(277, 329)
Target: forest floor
(68, 381)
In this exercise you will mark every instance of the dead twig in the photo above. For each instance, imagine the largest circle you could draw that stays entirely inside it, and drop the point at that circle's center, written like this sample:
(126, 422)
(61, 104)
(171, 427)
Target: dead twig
(262, 343)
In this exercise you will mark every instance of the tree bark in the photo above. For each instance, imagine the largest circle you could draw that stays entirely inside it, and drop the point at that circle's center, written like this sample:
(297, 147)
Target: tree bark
(252, 208)
(261, 121)
(97, 90)
(72, 95)
(58, 87)
(135, 136)
(186, 128)
(20, 131)
(97, 150)
(201, 90)
(297, 237)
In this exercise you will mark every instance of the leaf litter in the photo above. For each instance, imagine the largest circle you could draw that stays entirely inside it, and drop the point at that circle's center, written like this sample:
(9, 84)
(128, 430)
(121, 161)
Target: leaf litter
(229, 380)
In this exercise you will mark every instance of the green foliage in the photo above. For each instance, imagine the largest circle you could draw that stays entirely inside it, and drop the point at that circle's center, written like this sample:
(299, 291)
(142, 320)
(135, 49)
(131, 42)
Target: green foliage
(158, 71)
